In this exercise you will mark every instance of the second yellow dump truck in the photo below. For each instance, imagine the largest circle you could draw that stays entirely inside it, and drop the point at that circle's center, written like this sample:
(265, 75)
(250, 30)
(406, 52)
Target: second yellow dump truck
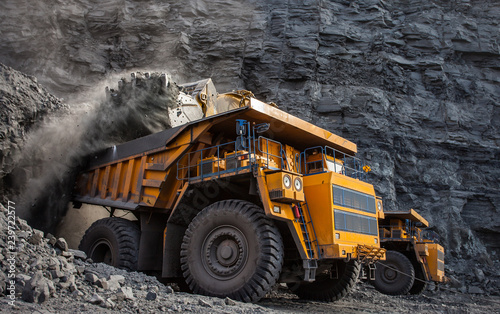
(413, 256)
(234, 202)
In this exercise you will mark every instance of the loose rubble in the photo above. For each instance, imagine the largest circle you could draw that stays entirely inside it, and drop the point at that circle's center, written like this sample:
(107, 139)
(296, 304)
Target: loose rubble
(46, 276)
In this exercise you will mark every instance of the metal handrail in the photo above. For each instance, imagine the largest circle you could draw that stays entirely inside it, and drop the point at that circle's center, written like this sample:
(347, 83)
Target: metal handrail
(188, 164)
(351, 166)
(267, 153)
(191, 165)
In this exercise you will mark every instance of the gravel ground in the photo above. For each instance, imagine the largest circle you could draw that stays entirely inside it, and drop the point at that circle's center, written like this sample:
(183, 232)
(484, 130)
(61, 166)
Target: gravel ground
(40, 274)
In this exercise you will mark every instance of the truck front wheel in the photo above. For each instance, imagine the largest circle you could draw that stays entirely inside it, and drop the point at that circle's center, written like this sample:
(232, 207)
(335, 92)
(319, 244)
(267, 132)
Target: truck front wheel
(232, 249)
(395, 275)
(420, 283)
(113, 241)
(327, 289)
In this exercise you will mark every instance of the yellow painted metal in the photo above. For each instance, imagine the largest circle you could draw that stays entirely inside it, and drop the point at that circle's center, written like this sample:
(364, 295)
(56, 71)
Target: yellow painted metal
(429, 255)
(298, 188)
(352, 184)
(138, 179)
(336, 243)
(208, 98)
(422, 249)
(270, 152)
(436, 262)
(411, 214)
(282, 187)
(297, 129)
(279, 185)
(233, 100)
(291, 155)
(370, 253)
(148, 179)
(283, 212)
(211, 165)
(432, 258)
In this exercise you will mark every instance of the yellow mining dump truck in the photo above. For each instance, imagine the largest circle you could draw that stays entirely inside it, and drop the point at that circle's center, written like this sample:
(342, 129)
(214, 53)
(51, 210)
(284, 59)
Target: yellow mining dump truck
(235, 202)
(413, 255)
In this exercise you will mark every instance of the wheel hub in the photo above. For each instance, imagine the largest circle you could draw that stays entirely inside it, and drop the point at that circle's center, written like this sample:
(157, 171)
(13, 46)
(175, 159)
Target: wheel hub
(225, 252)
(390, 274)
(100, 252)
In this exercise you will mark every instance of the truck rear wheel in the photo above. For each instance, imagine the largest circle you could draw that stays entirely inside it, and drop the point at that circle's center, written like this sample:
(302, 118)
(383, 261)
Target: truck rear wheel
(113, 241)
(395, 275)
(326, 289)
(232, 249)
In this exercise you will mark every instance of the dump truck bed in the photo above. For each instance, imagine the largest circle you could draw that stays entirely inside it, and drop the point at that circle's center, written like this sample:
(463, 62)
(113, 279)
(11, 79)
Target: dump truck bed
(411, 214)
(143, 172)
(297, 132)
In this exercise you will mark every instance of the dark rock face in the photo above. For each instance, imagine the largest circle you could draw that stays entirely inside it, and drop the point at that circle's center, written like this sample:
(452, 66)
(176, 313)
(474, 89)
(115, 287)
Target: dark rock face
(415, 84)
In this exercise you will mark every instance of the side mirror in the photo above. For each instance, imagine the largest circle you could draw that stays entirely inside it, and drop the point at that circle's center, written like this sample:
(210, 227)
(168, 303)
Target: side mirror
(261, 128)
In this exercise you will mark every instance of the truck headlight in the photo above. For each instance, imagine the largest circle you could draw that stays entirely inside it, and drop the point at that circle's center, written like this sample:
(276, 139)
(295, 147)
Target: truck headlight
(287, 181)
(298, 184)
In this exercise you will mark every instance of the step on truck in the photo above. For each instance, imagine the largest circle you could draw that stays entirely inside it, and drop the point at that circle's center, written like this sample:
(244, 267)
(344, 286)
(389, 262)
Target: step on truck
(231, 204)
(413, 258)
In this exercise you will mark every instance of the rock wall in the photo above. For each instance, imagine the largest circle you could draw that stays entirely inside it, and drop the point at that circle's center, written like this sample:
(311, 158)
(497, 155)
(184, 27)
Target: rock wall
(416, 84)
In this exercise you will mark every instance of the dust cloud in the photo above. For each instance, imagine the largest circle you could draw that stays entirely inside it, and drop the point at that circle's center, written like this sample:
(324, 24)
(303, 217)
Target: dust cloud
(53, 153)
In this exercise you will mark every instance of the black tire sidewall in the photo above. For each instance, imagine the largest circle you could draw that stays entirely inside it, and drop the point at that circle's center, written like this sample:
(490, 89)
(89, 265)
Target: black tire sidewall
(123, 237)
(420, 283)
(404, 278)
(258, 271)
(207, 222)
(97, 234)
(328, 289)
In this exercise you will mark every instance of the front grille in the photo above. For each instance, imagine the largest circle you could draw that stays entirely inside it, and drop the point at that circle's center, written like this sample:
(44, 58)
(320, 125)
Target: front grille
(354, 199)
(440, 255)
(346, 221)
(440, 265)
(276, 194)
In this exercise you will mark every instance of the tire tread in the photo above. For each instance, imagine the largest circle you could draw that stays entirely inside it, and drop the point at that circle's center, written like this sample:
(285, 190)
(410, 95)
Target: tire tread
(269, 240)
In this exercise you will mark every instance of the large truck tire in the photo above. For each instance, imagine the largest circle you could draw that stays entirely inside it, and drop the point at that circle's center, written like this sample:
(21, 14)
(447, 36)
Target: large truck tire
(232, 249)
(395, 275)
(326, 289)
(420, 283)
(113, 241)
